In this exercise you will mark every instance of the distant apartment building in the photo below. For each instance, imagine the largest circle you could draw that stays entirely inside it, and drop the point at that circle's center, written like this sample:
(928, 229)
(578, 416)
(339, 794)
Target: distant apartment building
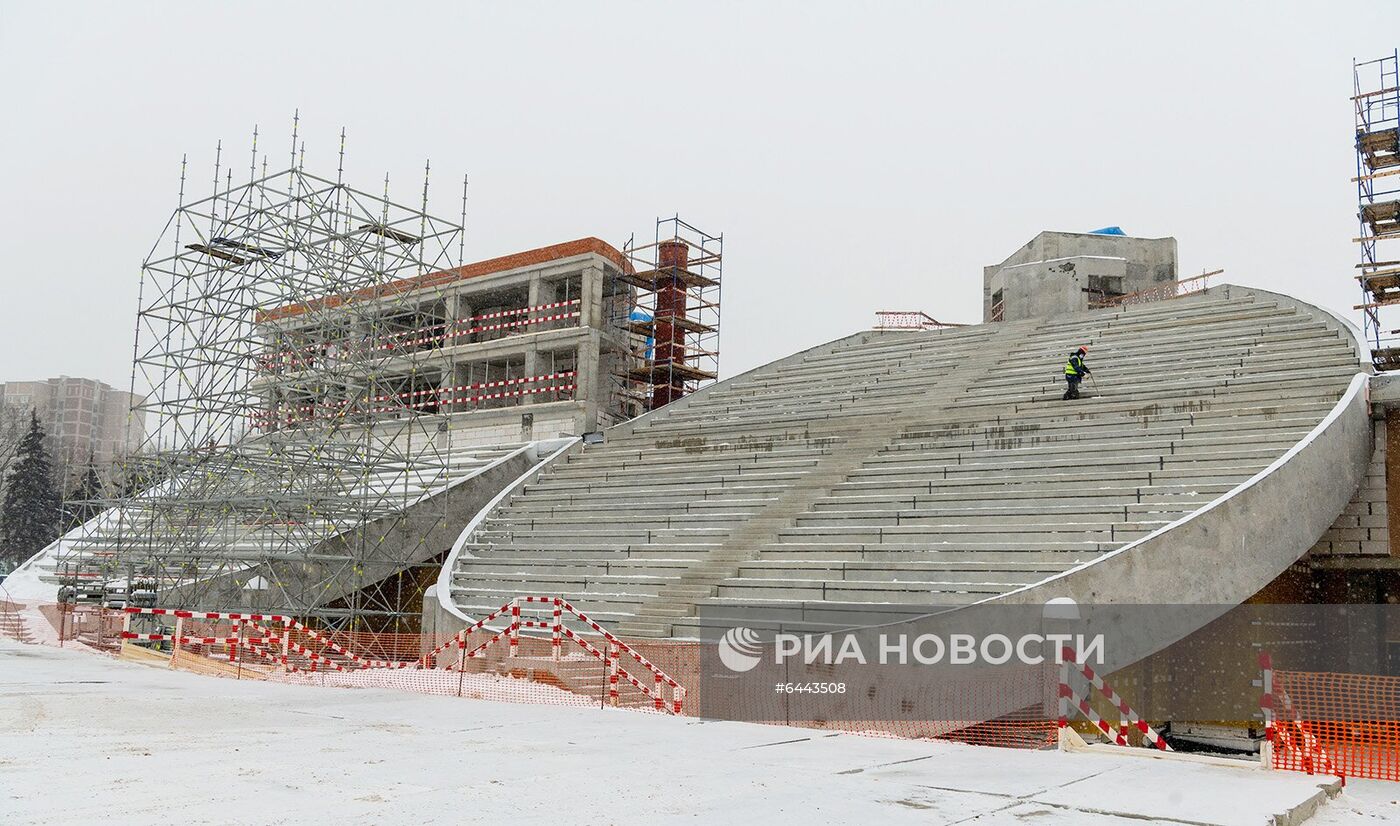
(82, 416)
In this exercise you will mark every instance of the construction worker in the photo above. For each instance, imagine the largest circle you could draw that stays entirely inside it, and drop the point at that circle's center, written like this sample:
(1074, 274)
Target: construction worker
(1075, 371)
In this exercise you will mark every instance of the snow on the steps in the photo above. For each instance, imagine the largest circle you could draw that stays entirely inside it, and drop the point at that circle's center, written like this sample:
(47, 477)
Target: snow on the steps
(86, 739)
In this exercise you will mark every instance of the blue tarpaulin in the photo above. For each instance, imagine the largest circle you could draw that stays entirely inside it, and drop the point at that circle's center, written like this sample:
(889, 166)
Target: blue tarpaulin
(643, 315)
(1108, 231)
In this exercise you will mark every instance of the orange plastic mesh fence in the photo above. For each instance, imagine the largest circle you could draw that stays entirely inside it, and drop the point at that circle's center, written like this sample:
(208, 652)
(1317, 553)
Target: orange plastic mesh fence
(586, 671)
(1338, 724)
(91, 625)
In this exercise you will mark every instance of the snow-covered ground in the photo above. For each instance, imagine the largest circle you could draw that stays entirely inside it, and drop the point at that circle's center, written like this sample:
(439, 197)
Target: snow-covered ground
(86, 739)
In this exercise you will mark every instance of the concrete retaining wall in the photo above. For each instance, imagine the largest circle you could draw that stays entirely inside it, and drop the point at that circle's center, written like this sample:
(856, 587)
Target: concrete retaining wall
(1362, 529)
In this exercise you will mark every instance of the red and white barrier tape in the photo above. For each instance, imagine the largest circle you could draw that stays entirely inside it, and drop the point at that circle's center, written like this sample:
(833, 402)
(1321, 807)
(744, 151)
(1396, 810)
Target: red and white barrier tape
(128, 635)
(503, 313)
(481, 385)
(627, 649)
(306, 355)
(262, 419)
(448, 333)
(213, 615)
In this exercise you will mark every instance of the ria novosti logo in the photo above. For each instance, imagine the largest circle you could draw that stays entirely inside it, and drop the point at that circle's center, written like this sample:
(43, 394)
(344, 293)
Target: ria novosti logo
(739, 649)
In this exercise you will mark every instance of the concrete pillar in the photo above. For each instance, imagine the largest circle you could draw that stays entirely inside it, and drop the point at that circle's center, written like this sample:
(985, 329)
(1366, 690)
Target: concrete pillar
(1391, 426)
(590, 384)
(591, 298)
(536, 290)
(450, 380)
(532, 368)
(459, 310)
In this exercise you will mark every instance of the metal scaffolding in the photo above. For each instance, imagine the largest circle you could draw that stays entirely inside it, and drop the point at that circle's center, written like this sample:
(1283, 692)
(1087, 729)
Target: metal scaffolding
(1376, 98)
(670, 305)
(285, 466)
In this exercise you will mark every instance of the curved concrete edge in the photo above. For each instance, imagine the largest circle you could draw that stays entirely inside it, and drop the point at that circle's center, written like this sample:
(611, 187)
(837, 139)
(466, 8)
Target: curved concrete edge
(443, 587)
(1341, 325)
(484, 469)
(1227, 551)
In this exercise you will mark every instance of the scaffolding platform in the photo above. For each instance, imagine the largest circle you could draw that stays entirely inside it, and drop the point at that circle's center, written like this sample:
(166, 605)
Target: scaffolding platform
(1383, 286)
(1380, 149)
(1383, 218)
(1386, 358)
(660, 278)
(690, 325)
(662, 372)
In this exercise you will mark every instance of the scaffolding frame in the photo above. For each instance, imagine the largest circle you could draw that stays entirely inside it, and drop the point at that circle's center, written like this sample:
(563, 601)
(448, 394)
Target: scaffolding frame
(1376, 102)
(283, 454)
(669, 306)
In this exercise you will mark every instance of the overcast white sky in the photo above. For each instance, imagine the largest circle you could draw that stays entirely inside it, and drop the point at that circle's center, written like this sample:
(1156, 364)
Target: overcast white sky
(857, 156)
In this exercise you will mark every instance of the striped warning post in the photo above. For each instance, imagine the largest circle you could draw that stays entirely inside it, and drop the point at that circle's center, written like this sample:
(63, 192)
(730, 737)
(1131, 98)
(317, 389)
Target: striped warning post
(556, 641)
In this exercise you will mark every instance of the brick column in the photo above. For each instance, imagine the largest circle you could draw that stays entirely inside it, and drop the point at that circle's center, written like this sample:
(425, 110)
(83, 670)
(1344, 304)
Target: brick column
(670, 304)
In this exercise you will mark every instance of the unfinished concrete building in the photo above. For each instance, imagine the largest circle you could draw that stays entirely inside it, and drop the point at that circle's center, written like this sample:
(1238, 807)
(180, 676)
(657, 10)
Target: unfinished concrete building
(556, 341)
(512, 348)
(1069, 272)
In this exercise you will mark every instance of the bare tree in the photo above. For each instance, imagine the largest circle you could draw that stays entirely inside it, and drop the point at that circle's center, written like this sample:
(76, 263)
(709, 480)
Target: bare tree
(14, 423)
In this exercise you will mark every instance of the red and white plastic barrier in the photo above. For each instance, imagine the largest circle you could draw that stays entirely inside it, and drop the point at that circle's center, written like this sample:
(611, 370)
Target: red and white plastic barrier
(265, 641)
(1067, 694)
(558, 632)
